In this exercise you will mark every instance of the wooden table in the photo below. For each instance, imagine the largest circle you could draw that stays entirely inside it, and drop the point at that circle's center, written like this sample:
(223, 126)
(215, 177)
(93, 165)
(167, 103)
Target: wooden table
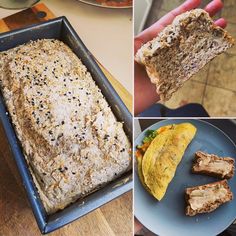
(16, 217)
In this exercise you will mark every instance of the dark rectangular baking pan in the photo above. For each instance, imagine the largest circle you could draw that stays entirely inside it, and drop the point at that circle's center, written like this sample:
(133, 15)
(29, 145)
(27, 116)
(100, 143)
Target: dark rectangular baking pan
(60, 28)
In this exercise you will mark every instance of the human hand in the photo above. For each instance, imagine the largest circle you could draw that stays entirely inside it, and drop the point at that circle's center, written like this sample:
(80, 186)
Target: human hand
(144, 91)
(137, 226)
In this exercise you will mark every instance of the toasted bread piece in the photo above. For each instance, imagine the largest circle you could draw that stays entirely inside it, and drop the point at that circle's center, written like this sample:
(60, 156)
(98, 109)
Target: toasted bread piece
(206, 198)
(213, 165)
(181, 50)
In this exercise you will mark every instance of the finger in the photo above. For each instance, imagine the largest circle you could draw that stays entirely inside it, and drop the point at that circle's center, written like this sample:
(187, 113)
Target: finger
(221, 22)
(153, 30)
(213, 7)
(137, 226)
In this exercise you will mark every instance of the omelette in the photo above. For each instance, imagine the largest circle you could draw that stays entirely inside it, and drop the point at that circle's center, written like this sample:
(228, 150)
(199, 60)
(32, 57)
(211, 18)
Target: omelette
(160, 154)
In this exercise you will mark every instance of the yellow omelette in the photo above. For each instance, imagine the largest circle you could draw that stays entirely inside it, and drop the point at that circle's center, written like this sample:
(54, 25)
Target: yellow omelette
(158, 159)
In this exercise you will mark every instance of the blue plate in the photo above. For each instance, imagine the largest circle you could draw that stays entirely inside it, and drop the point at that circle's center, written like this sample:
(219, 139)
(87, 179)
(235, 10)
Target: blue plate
(167, 217)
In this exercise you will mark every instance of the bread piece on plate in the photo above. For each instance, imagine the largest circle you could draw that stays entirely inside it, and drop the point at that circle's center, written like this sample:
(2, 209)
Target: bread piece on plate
(181, 50)
(213, 165)
(207, 198)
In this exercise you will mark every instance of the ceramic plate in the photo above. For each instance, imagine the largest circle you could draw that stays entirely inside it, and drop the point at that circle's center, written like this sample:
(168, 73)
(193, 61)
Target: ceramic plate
(167, 217)
(95, 3)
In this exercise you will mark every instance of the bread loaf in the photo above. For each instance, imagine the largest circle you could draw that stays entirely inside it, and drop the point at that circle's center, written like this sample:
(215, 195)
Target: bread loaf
(69, 135)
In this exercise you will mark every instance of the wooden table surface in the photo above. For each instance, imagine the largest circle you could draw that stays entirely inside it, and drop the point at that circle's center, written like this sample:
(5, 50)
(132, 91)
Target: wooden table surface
(16, 217)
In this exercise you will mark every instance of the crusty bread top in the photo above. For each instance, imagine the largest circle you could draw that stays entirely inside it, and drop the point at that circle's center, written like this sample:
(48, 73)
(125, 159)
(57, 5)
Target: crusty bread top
(183, 53)
(70, 137)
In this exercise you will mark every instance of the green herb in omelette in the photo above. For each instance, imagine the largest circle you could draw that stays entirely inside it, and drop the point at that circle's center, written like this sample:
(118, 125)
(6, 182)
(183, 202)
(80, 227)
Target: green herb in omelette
(150, 135)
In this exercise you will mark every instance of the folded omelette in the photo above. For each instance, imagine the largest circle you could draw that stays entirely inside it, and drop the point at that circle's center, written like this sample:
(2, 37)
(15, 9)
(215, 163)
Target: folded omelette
(160, 154)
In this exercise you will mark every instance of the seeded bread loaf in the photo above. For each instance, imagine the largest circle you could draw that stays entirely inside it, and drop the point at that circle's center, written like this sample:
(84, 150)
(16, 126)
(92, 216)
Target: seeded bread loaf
(207, 198)
(70, 137)
(213, 165)
(181, 50)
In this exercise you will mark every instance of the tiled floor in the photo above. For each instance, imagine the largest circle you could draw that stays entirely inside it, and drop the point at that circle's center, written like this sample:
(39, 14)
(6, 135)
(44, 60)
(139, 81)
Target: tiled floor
(214, 86)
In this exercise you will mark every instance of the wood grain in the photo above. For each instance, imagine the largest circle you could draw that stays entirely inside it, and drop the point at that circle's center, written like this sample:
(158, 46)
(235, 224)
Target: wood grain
(16, 217)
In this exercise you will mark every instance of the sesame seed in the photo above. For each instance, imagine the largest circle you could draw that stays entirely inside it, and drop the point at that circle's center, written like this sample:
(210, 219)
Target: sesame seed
(60, 135)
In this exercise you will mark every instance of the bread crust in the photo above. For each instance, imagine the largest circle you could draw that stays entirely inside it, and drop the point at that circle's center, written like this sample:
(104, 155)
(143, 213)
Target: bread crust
(71, 140)
(198, 169)
(211, 206)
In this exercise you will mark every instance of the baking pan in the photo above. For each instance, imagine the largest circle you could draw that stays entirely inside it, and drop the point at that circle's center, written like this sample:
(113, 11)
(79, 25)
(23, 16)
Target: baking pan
(60, 28)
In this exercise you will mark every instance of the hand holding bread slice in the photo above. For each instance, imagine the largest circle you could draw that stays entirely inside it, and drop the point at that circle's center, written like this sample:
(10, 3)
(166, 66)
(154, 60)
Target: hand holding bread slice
(181, 50)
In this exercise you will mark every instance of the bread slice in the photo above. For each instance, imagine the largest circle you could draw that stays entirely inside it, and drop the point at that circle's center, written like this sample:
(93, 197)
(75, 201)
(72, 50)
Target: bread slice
(213, 165)
(181, 50)
(206, 198)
